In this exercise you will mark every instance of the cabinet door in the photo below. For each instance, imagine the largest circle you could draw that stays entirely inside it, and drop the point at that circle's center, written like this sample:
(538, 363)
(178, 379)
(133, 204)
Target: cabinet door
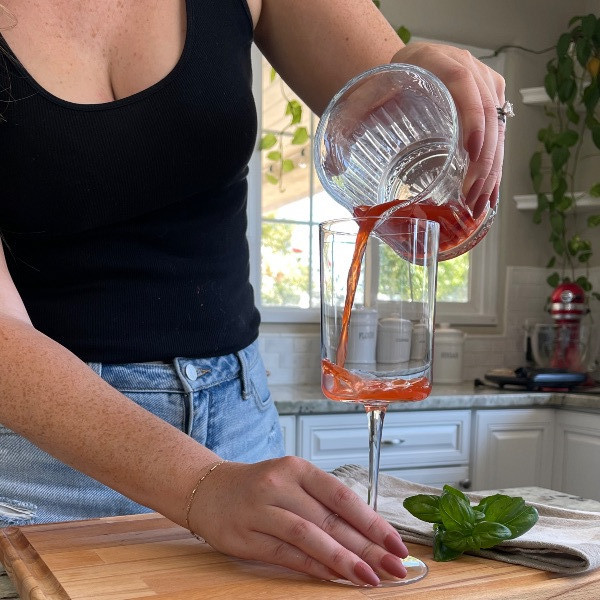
(288, 429)
(410, 439)
(577, 454)
(513, 448)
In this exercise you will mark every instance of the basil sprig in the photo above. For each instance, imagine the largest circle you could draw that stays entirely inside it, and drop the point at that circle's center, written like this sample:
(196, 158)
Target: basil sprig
(459, 527)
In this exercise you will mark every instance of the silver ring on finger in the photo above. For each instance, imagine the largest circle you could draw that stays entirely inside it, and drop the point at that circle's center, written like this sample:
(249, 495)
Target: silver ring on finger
(506, 110)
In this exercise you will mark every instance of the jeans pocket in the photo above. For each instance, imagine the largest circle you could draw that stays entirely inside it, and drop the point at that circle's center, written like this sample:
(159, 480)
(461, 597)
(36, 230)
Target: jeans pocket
(260, 388)
(16, 512)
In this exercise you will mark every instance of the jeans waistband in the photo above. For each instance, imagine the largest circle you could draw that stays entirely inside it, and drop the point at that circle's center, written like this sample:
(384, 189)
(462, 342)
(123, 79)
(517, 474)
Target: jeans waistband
(183, 374)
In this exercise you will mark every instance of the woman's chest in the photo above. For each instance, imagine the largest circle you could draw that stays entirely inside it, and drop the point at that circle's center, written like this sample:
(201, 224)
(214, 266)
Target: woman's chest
(89, 52)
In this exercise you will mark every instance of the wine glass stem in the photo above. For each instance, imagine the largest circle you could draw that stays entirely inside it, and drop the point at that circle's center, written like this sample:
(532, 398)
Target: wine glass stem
(375, 417)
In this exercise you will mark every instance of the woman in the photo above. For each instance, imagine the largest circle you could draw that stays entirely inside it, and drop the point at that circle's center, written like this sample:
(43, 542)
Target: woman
(126, 318)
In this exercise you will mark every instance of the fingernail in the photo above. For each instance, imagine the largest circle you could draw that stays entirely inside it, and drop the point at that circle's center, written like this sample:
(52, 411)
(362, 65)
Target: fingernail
(494, 196)
(393, 543)
(366, 574)
(474, 192)
(480, 205)
(475, 144)
(393, 565)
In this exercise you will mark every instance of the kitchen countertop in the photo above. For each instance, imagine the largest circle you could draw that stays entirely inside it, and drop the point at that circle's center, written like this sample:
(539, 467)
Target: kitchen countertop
(531, 494)
(308, 399)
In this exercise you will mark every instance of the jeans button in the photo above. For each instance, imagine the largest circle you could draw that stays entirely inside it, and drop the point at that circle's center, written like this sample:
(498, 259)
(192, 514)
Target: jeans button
(191, 373)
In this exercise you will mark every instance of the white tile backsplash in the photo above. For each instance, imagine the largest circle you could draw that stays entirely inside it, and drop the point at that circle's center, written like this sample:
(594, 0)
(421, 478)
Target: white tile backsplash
(294, 358)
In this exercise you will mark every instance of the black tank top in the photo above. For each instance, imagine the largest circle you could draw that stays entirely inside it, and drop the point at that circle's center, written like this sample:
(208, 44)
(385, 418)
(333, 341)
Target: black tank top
(124, 224)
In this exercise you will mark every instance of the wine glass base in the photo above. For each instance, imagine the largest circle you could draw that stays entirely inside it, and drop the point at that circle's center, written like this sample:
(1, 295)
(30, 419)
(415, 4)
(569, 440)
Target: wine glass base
(415, 570)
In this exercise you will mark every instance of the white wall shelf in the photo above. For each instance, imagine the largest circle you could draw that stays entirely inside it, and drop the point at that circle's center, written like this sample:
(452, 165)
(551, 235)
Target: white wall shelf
(582, 201)
(535, 95)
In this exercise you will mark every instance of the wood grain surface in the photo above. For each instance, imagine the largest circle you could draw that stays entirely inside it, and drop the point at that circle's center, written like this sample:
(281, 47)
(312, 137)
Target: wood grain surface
(147, 556)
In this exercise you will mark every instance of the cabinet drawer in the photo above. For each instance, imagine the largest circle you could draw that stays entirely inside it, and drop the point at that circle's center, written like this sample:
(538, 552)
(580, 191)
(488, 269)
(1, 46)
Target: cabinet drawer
(410, 439)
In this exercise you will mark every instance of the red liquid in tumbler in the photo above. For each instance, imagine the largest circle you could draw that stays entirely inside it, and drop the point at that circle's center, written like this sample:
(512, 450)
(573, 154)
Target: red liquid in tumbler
(345, 386)
(456, 225)
(342, 385)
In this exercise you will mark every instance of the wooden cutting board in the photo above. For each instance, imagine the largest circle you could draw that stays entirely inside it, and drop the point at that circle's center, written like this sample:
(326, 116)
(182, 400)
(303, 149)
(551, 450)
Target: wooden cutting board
(147, 556)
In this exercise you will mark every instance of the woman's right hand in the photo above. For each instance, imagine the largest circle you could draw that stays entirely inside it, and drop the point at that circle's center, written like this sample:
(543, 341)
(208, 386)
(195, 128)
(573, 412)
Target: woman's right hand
(288, 512)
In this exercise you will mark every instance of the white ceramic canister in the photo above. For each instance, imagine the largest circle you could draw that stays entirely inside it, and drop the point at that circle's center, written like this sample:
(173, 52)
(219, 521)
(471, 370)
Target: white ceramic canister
(418, 343)
(362, 336)
(448, 349)
(393, 340)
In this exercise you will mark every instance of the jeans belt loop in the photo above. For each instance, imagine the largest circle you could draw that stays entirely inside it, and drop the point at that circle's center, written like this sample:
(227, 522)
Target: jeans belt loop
(244, 375)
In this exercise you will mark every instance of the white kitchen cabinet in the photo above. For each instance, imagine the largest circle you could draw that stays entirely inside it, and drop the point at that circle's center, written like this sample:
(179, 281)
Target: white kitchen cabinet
(288, 429)
(577, 454)
(423, 446)
(512, 448)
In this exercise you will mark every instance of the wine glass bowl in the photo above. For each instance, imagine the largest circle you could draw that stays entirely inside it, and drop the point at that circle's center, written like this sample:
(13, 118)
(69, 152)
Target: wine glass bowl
(378, 283)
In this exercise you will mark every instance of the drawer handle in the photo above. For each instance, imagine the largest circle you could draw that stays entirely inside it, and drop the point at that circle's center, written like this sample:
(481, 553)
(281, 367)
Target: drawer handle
(392, 442)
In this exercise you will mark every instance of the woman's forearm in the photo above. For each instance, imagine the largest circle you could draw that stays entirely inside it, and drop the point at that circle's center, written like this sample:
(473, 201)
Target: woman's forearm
(56, 401)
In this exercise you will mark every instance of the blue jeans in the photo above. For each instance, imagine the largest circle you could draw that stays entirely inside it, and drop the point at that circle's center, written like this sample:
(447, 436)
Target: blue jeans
(223, 403)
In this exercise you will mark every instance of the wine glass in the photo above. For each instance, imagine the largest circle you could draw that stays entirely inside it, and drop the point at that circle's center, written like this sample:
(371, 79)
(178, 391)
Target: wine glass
(378, 283)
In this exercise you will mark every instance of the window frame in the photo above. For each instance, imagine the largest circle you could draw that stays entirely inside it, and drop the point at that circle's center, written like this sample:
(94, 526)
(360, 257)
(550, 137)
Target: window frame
(482, 307)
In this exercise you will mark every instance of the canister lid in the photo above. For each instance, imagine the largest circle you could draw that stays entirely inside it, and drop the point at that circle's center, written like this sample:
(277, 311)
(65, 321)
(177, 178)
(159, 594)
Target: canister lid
(364, 314)
(444, 332)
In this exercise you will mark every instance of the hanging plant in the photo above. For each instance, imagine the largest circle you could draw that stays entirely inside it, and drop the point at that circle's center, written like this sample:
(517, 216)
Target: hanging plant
(572, 83)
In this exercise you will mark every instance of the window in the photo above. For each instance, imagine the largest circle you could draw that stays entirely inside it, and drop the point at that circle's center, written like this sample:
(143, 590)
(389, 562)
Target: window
(287, 202)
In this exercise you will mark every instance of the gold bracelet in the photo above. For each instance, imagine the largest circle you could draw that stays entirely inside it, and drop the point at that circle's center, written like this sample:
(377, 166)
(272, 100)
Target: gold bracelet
(189, 504)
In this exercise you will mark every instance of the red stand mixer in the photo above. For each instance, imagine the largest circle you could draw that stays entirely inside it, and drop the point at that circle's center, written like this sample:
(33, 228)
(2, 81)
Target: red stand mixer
(567, 307)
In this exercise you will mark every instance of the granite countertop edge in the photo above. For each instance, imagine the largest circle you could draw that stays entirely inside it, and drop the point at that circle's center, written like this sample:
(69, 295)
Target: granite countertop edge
(305, 399)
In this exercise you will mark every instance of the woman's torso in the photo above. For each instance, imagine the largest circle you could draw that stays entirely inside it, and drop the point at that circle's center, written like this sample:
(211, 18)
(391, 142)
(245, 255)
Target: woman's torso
(125, 147)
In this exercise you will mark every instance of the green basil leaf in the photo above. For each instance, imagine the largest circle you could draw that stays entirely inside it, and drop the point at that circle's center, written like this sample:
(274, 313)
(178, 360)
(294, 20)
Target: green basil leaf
(442, 552)
(479, 516)
(274, 155)
(456, 512)
(511, 512)
(523, 522)
(425, 507)
(501, 508)
(458, 541)
(488, 534)
(452, 490)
